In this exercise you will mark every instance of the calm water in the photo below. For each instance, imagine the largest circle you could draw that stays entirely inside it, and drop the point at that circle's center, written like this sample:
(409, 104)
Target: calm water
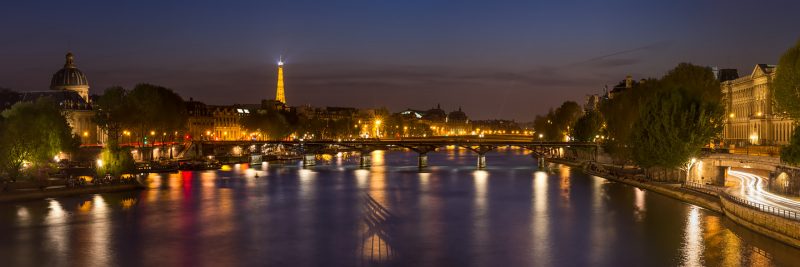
(389, 214)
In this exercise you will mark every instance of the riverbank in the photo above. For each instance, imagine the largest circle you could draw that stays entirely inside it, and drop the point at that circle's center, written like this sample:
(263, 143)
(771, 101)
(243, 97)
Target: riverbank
(779, 228)
(670, 190)
(66, 192)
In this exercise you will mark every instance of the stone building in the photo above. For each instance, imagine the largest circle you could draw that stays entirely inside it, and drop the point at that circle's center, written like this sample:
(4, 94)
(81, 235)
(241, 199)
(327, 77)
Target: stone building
(69, 88)
(752, 118)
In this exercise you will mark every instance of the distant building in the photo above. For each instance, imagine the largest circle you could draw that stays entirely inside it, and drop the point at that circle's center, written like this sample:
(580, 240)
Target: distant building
(457, 123)
(724, 75)
(751, 114)
(622, 86)
(69, 88)
(200, 122)
(497, 127)
(592, 103)
(227, 122)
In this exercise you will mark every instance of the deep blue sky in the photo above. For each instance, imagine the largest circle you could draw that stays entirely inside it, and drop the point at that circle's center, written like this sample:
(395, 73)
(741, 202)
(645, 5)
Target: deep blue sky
(496, 59)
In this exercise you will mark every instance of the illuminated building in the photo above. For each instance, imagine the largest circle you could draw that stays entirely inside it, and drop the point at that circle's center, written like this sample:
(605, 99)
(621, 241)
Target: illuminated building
(750, 109)
(226, 122)
(69, 88)
(280, 94)
(200, 122)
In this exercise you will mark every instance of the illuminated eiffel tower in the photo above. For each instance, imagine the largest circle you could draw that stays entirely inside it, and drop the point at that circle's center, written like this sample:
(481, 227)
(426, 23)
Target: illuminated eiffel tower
(280, 95)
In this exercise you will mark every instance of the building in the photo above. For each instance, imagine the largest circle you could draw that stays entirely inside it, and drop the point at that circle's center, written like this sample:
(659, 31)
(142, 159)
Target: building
(498, 127)
(69, 88)
(200, 121)
(751, 115)
(592, 103)
(457, 123)
(226, 122)
(436, 118)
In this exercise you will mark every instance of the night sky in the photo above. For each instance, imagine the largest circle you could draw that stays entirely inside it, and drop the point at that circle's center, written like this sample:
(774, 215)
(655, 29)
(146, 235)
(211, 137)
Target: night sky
(494, 59)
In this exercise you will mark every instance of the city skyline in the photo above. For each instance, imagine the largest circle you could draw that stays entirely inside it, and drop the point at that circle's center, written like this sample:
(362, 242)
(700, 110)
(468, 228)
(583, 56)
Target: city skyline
(395, 55)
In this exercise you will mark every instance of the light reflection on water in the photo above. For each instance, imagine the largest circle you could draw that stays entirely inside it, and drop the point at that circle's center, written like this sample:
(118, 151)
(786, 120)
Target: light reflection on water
(387, 214)
(540, 220)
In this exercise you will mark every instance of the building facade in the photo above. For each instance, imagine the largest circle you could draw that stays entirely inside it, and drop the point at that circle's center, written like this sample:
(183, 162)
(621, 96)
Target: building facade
(751, 115)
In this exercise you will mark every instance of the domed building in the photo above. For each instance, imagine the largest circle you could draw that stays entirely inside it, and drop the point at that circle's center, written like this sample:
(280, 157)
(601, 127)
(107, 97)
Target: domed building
(70, 89)
(457, 123)
(70, 78)
(435, 115)
(457, 116)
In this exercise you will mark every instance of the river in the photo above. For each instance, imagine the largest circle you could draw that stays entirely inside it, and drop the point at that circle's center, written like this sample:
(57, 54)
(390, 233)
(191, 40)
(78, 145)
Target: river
(389, 214)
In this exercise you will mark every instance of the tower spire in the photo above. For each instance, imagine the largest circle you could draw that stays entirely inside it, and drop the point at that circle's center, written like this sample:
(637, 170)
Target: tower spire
(280, 95)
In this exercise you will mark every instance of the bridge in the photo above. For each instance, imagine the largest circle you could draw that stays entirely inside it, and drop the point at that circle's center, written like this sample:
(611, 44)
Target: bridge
(479, 145)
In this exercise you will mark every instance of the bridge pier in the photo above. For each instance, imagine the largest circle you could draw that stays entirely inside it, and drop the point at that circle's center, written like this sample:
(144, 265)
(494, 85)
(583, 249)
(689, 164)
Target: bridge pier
(422, 160)
(309, 160)
(481, 161)
(541, 164)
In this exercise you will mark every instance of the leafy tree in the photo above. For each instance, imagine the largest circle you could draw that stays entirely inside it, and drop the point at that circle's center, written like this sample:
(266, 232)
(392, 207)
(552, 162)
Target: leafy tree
(556, 124)
(32, 133)
(113, 113)
(156, 108)
(620, 113)
(791, 153)
(786, 88)
(699, 81)
(673, 126)
(587, 127)
(271, 123)
(116, 161)
(786, 84)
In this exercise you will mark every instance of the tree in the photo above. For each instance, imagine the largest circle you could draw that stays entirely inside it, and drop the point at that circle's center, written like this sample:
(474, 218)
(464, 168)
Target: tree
(673, 127)
(113, 113)
(791, 153)
(272, 124)
(587, 127)
(31, 135)
(787, 82)
(116, 161)
(556, 124)
(786, 89)
(156, 108)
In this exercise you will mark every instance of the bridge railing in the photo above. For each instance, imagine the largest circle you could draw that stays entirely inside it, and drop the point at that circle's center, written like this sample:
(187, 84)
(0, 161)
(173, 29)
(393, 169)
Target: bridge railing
(788, 214)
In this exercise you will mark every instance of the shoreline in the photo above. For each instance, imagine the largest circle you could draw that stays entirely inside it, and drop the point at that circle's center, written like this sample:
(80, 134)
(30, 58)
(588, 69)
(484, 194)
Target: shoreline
(67, 192)
(781, 229)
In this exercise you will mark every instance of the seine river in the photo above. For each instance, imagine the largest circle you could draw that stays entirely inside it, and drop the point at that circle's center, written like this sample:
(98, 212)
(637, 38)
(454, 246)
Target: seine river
(390, 214)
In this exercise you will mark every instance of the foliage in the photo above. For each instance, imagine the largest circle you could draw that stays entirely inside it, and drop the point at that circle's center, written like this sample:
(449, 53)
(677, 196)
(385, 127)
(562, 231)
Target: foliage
(699, 81)
(587, 127)
(791, 153)
(116, 161)
(141, 110)
(673, 126)
(556, 124)
(620, 113)
(787, 82)
(113, 113)
(32, 133)
(156, 108)
(271, 123)
(664, 122)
